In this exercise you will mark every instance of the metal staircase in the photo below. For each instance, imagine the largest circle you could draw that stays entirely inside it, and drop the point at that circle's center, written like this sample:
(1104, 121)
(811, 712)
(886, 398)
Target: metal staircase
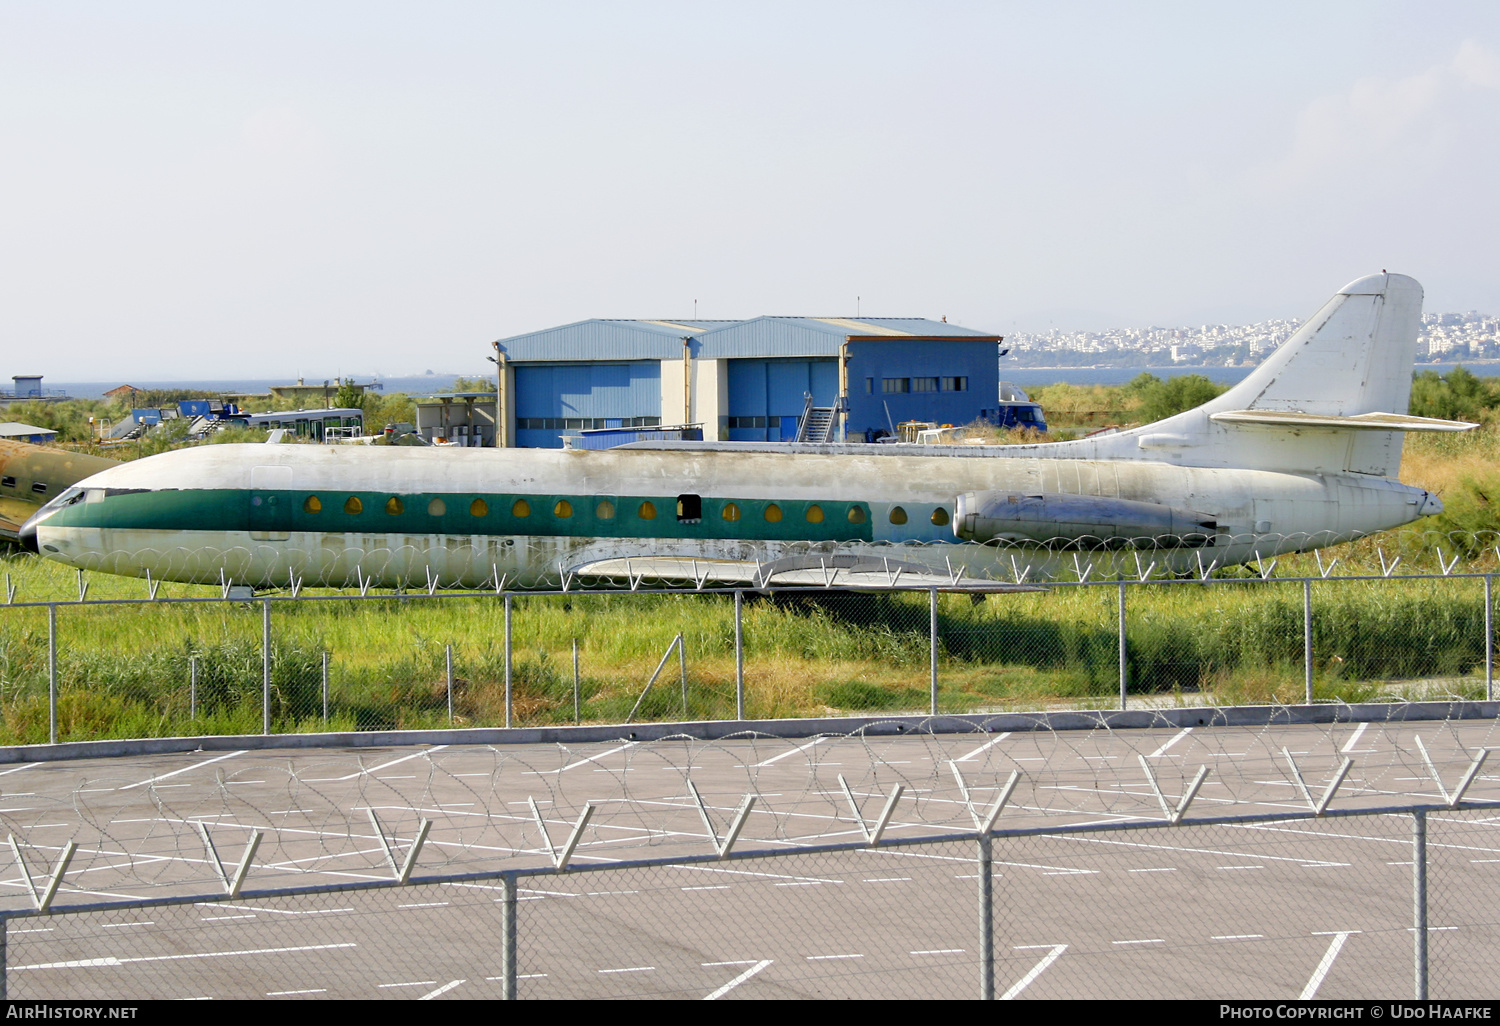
(819, 423)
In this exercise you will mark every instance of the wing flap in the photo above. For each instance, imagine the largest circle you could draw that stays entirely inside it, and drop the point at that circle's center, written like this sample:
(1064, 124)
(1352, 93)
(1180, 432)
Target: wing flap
(857, 573)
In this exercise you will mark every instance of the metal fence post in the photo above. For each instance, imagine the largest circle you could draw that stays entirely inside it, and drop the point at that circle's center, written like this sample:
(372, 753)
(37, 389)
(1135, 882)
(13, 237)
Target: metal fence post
(739, 655)
(507, 663)
(682, 670)
(577, 718)
(508, 938)
(986, 920)
(265, 669)
(4, 958)
(325, 688)
(52, 672)
(192, 687)
(1307, 653)
(448, 656)
(1489, 639)
(1419, 898)
(933, 635)
(1124, 672)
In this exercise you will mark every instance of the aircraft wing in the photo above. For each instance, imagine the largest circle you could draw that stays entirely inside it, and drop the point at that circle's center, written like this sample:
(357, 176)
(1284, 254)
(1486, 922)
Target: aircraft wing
(1360, 422)
(846, 572)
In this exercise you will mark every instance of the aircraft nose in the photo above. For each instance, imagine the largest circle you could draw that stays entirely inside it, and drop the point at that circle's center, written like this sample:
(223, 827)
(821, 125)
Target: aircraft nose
(27, 536)
(1430, 505)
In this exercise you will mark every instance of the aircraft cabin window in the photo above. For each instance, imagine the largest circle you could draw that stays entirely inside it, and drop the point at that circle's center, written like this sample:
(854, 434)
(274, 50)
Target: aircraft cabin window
(898, 515)
(312, 504)
(940, 516)
(689, 509)
(856, 514)
(39, 488)
(563, 510)
(605, 510)
(815, 514)
(521, 508)
(773, 514)
(648, 511)
(394, 507)
(731, 512)
(479, 508)
(352, 505)
(8, 481)
(436, 508)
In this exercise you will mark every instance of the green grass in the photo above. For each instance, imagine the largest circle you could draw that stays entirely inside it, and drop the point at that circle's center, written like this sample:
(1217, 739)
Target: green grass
(123, 669)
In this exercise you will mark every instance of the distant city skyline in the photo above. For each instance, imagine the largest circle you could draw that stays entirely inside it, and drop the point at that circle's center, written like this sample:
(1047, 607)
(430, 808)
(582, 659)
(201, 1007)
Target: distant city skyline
(222, 190)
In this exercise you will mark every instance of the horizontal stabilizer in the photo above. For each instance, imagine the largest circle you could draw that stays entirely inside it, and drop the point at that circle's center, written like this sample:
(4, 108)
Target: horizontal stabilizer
(1359, 422)
(850, 573)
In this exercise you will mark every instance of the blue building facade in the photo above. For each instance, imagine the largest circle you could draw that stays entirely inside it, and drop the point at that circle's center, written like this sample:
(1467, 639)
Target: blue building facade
(750, 380)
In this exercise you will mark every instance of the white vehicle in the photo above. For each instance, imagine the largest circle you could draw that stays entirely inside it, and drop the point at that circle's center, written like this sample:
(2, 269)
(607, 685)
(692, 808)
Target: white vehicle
(1303, 453)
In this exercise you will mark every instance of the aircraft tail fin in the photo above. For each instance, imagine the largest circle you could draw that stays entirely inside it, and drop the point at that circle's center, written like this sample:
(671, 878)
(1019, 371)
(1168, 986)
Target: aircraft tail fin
(1352, 358)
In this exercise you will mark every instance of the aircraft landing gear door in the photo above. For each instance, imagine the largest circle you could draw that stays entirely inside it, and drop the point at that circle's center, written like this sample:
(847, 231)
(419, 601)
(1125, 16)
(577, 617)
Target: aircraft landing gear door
(270, 503)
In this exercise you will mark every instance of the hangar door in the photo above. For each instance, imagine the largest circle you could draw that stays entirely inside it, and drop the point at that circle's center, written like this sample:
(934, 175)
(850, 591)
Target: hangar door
(766, 396)
(553, 399)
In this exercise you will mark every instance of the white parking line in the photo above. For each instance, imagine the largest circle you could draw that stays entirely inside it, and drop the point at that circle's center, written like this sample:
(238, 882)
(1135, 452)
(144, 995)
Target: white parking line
(1240, 936)
(939, 951)
(987, 745)
(822, 958)
(88, 963)
(445, 988)
(1149, 940)
(1184, 732)
(585, 761)
(287, 993)
(376, 769)
(1326, 964)
(1354, 739)
(632, 969)
(413, 983)
(1036, 970)
(741, 978)
(164, 776)
(794, 751)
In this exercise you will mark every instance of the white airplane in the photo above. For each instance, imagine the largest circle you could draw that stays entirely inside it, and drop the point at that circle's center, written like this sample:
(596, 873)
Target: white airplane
(1303, 453)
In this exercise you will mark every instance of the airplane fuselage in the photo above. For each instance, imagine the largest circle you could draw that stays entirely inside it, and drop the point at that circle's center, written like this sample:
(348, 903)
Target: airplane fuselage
(264, 515)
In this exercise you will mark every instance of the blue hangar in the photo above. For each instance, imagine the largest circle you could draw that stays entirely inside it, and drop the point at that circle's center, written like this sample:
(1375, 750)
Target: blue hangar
(764, 379)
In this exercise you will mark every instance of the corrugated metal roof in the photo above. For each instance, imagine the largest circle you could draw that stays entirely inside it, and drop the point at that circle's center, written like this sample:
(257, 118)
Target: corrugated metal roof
(627, 340)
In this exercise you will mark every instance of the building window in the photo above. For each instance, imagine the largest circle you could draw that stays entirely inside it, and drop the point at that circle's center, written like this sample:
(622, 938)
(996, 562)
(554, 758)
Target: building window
(924, 384)
(960, 384)
(889, 385)
(869, 385)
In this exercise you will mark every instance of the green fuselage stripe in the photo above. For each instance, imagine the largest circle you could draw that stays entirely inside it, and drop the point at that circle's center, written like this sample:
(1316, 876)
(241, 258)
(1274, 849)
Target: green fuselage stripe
(287, 510)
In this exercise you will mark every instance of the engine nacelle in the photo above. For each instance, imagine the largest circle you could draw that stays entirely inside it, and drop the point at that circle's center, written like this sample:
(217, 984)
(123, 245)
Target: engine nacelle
(1083, 521)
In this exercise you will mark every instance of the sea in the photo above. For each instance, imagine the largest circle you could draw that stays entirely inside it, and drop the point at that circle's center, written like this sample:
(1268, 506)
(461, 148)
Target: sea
(418, 385)
(1034, 377)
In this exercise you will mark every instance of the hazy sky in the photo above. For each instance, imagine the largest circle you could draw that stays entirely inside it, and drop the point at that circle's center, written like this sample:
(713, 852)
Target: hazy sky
(244, 190)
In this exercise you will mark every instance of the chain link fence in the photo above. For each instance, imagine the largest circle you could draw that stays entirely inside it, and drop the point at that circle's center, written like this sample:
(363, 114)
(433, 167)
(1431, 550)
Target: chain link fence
(1395, 902)
(115, 668)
